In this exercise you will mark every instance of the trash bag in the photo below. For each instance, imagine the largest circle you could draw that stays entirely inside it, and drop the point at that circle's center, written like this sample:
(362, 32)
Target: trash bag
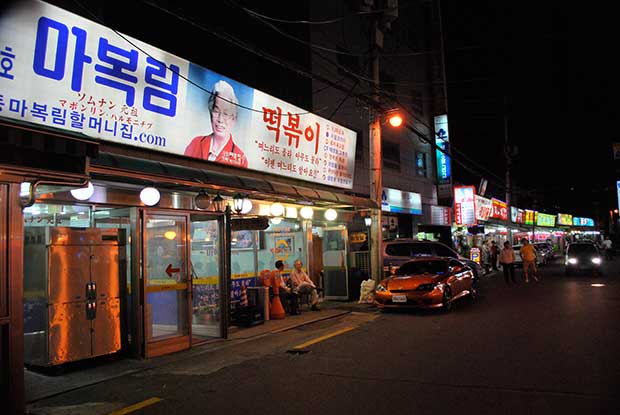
(367, 291)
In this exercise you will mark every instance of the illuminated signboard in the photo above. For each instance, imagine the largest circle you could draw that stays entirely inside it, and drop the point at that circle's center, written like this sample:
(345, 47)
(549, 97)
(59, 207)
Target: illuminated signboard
(618, 191)
(565, 219)
(583, 221)
(464, 205)
(63, 71)
(545, 220)
(397, 201)
(440, 215)
(442, 140)
(484, 208)
(530, 216)
(500, 209)
(517, 215)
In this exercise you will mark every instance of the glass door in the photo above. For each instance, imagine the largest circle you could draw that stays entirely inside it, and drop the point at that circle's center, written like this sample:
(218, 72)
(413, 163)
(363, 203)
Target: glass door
(205, 268)
(166, 283)
(335, 268)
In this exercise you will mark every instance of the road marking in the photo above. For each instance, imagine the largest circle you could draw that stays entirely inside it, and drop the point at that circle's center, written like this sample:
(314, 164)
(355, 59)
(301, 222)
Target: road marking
(325, 337)
(136, 406)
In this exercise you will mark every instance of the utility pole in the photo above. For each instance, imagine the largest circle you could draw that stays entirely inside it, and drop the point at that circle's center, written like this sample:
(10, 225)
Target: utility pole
(507, 153)
(376, 175)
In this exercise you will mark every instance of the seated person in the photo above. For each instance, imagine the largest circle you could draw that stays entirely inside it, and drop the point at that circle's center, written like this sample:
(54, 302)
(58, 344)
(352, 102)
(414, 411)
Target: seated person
(301, 283)
(287, 296)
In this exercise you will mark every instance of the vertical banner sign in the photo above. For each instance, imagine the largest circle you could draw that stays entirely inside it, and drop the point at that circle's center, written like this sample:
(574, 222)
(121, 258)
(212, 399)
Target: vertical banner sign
(465, 205)
(618, 191)
(440, 215)
(444, 173)
(60, 70)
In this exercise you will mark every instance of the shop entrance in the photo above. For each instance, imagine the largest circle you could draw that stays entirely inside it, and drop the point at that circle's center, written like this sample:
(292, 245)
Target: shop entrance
(182, 257)
(335, 268)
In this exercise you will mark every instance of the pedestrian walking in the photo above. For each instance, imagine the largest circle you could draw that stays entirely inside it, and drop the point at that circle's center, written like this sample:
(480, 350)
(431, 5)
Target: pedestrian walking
(485, 253)
(507, 261)
(607, 246)
(528, 256)
(494, 255)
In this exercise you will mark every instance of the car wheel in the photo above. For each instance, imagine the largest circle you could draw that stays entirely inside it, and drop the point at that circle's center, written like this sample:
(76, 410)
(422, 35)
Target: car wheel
(473, 292)
(446, 300)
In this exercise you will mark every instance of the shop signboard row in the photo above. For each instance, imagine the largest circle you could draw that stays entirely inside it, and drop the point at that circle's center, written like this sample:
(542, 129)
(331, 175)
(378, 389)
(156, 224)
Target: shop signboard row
(583, 221)
(440, 215)
(63, 71)
(565, 219)
(484, 208)
(544, 219)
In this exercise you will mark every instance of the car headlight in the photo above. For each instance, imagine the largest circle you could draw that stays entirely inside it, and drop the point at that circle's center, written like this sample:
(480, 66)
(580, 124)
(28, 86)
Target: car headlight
(426, 287)
(380, 288)
(596, 260)
(572, 261)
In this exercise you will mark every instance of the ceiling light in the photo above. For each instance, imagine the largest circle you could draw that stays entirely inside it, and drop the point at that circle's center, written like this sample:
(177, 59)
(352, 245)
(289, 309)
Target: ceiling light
(83, 193)
(150, 196)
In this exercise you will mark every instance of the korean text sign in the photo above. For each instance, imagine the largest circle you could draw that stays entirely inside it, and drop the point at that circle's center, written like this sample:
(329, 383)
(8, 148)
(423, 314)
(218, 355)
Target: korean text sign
(63, 71)
(464, 205)
(500, 209)
(565, 219)
(545, 220)
(484, 207)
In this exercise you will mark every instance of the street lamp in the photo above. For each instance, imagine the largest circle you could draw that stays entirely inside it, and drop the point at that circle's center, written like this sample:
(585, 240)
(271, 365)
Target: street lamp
(218, 202)
(238, 202)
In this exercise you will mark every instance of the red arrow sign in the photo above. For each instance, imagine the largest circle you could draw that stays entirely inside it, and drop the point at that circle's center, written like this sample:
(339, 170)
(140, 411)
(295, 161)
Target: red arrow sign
(170, 270)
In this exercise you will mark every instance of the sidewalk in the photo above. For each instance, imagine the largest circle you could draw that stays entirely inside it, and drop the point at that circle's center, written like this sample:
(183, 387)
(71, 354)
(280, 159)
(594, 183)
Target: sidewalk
(40, 386)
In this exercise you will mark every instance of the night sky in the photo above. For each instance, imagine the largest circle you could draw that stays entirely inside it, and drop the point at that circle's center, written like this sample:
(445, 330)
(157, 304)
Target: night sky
(553, 65)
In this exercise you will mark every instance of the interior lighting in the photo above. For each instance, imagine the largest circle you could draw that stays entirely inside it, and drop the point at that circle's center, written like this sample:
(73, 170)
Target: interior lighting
(275, 221)
(368, 221)
(277, 209)
(83, 193)
(170, 235)
(331, 214)
(306, 212)
(150, 196)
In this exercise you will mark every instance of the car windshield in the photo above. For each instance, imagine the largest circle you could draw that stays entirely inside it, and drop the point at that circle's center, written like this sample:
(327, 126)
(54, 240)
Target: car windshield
(422, 267)
(577, 249)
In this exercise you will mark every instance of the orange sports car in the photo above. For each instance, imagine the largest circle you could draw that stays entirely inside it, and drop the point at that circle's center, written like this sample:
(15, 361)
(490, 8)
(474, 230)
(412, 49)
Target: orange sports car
(426, 283)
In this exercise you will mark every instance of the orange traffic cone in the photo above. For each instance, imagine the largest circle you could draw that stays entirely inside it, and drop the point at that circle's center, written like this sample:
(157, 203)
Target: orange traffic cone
(244, 296)
(276, 311)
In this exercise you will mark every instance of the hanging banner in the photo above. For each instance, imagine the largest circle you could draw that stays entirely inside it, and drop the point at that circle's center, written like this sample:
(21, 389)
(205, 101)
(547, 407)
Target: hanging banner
(500, 209)
(63, 71)
(484, 207)
(464, 205)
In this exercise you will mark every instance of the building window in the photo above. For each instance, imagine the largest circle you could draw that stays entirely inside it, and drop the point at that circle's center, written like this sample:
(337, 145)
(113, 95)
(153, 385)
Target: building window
(420, 164)
(391, 155)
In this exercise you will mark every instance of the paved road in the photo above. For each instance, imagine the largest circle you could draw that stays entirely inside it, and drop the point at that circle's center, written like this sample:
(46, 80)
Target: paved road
(542, 348)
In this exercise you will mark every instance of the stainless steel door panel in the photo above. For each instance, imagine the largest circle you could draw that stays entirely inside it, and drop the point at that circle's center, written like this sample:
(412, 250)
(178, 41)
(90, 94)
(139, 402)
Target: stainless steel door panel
(69, 333)
(83, 236)
(104, 270)
(107, 327)
(69, 272)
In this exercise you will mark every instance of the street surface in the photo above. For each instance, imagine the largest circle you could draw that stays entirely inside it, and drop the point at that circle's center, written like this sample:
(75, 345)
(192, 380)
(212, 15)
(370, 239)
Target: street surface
(542, 348)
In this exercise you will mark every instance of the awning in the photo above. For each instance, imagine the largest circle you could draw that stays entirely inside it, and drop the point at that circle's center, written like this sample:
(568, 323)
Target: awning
(40, 153)
(110, 165)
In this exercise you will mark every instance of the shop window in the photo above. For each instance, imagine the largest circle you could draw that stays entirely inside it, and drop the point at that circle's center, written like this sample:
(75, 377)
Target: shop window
(285, 241)
(391, 155)
(420, 164)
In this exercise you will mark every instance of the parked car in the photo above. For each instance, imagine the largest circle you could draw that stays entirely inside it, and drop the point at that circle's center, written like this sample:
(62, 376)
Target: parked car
(546, 252)
(398, 251)
(426, 283)
(583, 256)
(519, 261)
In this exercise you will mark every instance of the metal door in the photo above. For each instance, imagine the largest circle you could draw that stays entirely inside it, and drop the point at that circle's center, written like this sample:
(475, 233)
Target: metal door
(69, 333)
(335, 267)
(106, 337)
(104, 271)
(166, 283)
(69, 273)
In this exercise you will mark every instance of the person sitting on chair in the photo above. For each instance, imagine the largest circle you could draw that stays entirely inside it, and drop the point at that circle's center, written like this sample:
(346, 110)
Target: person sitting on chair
(287, 295)
(302, 284)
